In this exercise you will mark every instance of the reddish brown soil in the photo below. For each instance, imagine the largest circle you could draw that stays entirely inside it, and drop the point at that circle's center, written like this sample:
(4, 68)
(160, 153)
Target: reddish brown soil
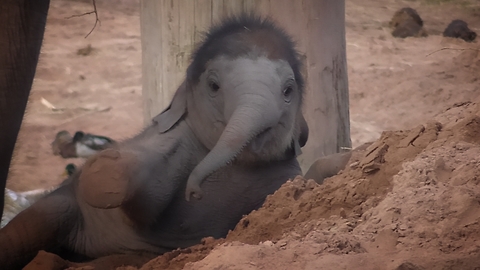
(409, 200)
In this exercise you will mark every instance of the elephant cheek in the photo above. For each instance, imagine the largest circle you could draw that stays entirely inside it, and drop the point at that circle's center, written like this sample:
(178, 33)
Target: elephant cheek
(205, 122)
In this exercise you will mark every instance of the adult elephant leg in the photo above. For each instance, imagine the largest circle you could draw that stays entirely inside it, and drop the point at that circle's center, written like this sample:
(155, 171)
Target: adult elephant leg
(21, 34)
(46, 225)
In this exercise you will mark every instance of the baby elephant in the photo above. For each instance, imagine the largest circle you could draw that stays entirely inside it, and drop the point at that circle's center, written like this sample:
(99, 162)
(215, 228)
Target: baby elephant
(234, 127)
(459, 29)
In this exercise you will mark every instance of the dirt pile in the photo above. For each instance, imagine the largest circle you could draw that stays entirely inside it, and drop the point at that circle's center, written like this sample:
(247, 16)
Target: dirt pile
(410, 200)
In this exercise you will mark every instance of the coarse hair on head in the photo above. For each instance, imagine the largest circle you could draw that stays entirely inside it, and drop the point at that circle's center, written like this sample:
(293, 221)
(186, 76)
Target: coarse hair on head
(242, 36)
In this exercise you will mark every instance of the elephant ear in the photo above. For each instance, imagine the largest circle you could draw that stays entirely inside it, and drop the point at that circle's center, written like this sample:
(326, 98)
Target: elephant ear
(174, 112)
(302, 134)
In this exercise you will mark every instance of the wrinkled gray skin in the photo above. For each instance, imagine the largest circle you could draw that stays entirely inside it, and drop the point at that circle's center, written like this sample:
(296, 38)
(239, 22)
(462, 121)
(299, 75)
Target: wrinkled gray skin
(243, 110)
(238, 141)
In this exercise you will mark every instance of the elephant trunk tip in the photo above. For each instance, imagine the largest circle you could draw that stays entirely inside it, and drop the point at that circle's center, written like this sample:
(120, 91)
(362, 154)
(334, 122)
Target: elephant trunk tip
(193, 190)
(196, 178)
(193, 187)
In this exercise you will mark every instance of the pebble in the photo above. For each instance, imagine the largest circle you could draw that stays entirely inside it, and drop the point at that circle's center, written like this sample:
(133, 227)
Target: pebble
(268, 243)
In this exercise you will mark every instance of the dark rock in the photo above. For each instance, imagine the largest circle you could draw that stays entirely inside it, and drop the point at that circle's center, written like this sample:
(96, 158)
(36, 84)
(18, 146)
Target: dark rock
(459, 29)
(407, 23)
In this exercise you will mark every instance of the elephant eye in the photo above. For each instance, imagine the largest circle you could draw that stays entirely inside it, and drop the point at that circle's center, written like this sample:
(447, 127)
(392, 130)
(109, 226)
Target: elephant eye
(288, 93)
(214, 86)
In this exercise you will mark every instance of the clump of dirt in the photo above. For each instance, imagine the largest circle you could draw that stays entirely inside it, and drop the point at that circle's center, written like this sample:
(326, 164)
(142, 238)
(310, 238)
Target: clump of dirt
(407, 23)
(88, 50)
(174, 260)
(177, 259)
(45, 260)
(459, 29)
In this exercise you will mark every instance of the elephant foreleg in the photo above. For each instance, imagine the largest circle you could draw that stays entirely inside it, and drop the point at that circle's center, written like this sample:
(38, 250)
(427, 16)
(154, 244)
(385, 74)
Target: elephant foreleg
(21, 34)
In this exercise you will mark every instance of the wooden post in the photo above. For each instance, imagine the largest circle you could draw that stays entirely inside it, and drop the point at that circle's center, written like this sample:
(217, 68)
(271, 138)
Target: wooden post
(327, 103)
(171, 28)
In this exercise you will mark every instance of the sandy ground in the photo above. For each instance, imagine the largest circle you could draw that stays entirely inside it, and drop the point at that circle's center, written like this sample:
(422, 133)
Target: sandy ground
(410, 200)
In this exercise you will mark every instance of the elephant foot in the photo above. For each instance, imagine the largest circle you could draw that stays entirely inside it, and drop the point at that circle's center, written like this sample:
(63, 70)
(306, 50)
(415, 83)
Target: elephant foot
(104, 179)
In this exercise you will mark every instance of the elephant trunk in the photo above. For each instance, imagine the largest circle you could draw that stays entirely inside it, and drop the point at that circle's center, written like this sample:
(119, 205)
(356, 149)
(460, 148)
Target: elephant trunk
(253, 114)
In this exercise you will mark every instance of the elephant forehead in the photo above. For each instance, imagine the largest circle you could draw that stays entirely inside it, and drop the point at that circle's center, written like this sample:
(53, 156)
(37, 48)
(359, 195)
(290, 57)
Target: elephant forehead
(260, 68)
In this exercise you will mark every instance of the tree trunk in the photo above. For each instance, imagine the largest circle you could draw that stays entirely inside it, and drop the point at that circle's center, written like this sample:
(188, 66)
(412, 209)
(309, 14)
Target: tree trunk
(171, 29)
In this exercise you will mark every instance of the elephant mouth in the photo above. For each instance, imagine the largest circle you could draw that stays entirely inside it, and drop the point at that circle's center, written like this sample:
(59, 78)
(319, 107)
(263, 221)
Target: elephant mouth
(259, 141)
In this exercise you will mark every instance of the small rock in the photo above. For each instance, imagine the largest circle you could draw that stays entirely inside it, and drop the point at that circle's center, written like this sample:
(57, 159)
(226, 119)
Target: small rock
(208, 240)
(268, 243)
(462, 146)
(285, 213)
(323, 246)
(282, 243)
(85, 51)
(311, 184)
(295, 235)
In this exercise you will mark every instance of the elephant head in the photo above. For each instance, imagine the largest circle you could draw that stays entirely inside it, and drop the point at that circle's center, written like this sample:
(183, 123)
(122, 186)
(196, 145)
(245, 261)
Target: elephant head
(242, 97)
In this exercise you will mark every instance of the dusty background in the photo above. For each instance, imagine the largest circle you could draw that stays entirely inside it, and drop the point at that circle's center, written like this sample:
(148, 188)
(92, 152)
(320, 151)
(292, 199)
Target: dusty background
(418, 209)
